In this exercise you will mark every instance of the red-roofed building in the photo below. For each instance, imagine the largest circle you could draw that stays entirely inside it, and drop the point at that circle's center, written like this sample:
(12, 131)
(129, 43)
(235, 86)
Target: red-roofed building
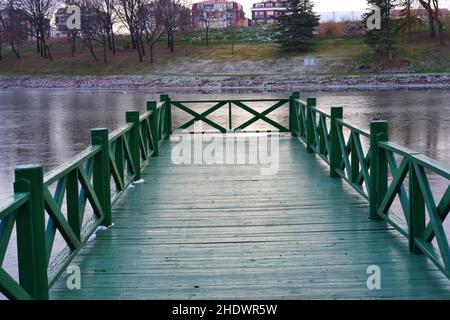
(267, 11)
(220, 14)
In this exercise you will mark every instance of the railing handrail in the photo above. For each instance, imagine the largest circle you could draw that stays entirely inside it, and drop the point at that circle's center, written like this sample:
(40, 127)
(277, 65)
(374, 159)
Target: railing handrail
(84, 178)
(368, 173)
(55, 174)
(231, 100)
(13, 203)
(347, 125)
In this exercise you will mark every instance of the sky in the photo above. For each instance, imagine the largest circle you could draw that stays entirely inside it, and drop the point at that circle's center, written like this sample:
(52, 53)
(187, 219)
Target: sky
(326, 5)
(320, 5)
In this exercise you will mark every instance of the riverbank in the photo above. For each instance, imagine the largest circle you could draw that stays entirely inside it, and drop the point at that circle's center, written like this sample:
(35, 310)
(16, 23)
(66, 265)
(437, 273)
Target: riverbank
(263, 82)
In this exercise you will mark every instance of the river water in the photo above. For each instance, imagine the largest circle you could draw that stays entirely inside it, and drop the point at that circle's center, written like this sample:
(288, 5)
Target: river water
(49, 127)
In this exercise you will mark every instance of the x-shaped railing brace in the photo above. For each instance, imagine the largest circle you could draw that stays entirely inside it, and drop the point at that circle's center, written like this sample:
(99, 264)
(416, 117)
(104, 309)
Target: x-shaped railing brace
(261, 116)
(257, 115)
(202, 117)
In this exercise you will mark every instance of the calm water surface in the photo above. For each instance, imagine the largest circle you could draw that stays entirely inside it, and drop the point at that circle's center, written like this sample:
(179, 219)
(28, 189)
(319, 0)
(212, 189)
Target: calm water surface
(49, 127)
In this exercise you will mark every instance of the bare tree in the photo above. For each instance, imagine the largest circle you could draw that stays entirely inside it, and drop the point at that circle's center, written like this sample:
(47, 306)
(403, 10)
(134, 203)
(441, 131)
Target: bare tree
(434, 17)
(13, 23)
(207, 17)
(176, 17)
(128, 13)
(72, 34)
(151, 24)
(108, 7)
(95, 27)
(231, 26)
(439, 21)
(40, 12)
(88, 27)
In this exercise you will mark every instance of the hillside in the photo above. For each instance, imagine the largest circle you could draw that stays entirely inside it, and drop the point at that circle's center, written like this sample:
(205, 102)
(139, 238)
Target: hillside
(344, 55)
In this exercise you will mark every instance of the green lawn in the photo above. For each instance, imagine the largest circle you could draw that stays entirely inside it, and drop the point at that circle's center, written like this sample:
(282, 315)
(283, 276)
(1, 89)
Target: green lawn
(421, 55)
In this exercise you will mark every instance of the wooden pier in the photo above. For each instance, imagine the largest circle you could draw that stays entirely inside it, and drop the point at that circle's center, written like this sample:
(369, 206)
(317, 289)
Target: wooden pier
(221, 231)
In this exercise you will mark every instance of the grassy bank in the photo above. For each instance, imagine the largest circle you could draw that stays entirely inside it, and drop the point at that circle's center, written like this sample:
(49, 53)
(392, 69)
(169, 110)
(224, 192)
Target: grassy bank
(346, 55)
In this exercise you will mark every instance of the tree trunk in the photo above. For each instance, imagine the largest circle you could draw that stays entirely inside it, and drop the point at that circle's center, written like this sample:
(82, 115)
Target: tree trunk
(136, 40)
(133, 40)
(207, 36)
(15, 50)
(49, 54)
(141, 43)
(73, 47)
(113, 42)
(105, 51)
(38, 47)
(150, 49)
(108, 36)
(91, 50)
(113, 38)
(172, 45)
(441, 33)
(431, 26)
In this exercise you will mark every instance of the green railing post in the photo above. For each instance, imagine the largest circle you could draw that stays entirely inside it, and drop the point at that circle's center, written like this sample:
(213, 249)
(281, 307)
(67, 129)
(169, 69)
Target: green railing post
(310, 137)
(335, 149)
(322, 144)
(143, 127)
(30, 228)
(292, 114)
(133, 117)
(152, 107)
(102, 173)
(354, 162)
(73, 203)
(119, 157)
(168, 114)
(378, 167)
(417, 221)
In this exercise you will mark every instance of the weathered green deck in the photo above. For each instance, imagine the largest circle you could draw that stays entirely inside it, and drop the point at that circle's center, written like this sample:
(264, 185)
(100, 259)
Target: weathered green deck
(221, 231)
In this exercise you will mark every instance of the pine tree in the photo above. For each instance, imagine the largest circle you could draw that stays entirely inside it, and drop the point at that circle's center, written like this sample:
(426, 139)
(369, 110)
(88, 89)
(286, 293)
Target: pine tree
(295, 27)
(383, 40)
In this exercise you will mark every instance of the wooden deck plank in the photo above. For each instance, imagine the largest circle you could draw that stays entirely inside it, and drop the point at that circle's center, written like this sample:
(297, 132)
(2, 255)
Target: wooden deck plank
(226, 232)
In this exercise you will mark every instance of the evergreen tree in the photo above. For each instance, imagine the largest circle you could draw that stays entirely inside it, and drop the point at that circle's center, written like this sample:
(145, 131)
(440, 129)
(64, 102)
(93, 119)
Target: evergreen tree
(384, 39)
(295, 26)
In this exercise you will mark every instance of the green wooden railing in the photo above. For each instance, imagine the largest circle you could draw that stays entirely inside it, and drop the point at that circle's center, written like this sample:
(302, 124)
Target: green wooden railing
(98, 176)
(189, 107)
(377, 175)
(374, 167)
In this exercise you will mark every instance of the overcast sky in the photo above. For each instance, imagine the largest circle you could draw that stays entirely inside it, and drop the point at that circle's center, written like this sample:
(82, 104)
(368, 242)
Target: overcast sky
(321, 5)
(326, 5)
